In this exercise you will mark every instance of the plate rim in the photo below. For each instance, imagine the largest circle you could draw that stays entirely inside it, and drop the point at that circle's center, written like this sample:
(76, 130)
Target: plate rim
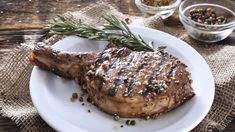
(61, 128)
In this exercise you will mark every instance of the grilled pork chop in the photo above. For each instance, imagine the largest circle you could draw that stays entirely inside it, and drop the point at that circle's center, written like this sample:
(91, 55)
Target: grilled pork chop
(121, 81)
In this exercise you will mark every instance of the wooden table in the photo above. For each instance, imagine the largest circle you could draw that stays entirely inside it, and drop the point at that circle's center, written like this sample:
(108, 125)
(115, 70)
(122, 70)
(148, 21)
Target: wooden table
(24, 19)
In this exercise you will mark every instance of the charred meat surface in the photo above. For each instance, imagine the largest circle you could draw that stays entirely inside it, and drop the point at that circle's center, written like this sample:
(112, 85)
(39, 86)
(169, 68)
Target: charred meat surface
(121, 81)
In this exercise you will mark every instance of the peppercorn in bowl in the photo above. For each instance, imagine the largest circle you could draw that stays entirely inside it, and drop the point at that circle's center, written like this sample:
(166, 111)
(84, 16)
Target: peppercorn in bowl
(208, 21)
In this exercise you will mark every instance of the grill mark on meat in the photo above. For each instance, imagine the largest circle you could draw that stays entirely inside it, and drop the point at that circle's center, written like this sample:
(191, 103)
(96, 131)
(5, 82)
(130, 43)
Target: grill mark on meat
(124, 67)
(135, 78)
(117, 83)
(172, 71)
(119, 73)
(142, 64)
(105, 55)
(149, 89)
(118, 56)
(158, 70)
(130, 83)
(121, 52)
(129, 88)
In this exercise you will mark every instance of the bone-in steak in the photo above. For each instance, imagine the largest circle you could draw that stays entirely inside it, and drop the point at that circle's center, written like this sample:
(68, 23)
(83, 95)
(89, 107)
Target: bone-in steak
(121, 81)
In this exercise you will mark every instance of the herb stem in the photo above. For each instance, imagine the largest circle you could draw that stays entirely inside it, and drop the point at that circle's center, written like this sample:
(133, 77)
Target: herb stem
(113, 30)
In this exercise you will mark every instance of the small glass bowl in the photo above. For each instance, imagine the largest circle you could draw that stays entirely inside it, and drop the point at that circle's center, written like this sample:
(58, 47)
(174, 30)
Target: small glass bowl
(208, 33)
(163, 11)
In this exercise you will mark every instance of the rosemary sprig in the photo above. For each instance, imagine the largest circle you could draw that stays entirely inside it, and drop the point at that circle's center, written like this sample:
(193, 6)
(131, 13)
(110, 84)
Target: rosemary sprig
(113, 30)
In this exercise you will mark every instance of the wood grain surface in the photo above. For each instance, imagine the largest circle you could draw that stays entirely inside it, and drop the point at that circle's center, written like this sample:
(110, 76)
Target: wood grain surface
(23, 21)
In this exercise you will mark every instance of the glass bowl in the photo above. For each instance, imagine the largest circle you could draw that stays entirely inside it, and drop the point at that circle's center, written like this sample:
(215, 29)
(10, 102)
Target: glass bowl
(208, 33)
(163, 11)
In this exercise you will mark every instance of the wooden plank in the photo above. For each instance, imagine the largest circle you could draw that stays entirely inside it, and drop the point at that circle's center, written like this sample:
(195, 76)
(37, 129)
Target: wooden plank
(19, 14)
(9, 39)
(31, 14)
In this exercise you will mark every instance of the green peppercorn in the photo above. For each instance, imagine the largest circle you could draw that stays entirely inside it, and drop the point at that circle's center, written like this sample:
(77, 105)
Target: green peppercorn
(116, 117)
(128, 122)
(81, 99)
(89, 99)
(74, 95)
(133, 122)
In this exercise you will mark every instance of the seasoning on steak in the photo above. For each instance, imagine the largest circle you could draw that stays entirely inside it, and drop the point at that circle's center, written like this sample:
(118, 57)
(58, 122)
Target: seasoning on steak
(121, 81)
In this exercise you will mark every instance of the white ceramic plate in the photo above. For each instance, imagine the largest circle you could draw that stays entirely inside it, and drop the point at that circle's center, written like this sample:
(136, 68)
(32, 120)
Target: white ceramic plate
(51, 94)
